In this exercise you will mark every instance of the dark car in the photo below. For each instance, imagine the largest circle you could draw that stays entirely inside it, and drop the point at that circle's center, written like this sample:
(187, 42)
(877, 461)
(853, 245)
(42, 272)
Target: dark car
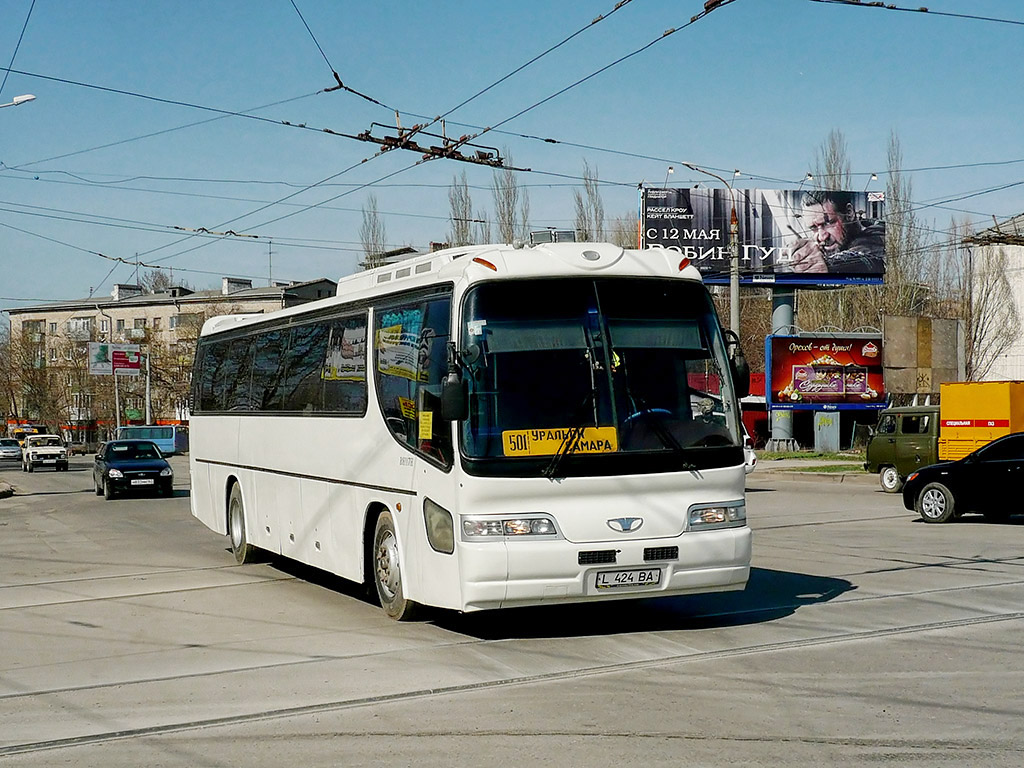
(130, 466)
(989, 480)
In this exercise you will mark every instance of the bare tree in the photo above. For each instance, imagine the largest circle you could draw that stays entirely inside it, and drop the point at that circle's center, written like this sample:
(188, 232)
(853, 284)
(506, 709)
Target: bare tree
(980, 295)
(460, 206)
(8, 402)
(832, 163)
(373, 235)
(909, 257)
(157, 280)
(483, 227)
(624, 231)
(511, 204)
(589, 208)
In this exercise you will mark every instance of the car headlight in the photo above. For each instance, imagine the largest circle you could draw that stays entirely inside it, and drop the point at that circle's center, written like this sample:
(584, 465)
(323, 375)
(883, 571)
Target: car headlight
(115, 473)
(166, 472)
(497, 528)
(707, 516)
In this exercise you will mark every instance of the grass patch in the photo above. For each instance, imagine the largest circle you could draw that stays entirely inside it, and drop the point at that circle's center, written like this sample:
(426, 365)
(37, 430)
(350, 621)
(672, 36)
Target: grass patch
(852, 469)
(844, 456)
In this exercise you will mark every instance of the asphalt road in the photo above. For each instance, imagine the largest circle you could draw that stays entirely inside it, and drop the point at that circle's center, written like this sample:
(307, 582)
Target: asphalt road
(130, 638)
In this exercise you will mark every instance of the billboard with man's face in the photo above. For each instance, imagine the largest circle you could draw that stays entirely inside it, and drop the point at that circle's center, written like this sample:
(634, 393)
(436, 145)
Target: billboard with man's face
(824, 373)
(798, 237)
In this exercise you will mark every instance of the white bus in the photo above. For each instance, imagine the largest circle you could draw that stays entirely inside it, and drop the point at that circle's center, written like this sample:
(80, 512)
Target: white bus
(483, 427)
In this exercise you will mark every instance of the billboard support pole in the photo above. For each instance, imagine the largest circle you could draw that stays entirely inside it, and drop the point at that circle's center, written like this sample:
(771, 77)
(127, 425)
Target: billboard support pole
(782, 323)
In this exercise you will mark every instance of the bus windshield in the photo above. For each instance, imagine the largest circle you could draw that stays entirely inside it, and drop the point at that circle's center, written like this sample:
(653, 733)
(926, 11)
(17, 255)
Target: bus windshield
(580, 367)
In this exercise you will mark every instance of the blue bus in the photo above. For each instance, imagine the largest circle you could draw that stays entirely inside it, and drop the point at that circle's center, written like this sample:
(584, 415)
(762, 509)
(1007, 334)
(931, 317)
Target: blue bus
(169, 438)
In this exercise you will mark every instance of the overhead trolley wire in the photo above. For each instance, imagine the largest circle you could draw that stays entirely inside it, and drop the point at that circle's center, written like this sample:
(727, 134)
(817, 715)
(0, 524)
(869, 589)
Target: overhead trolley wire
(17, 45)
(919, 9)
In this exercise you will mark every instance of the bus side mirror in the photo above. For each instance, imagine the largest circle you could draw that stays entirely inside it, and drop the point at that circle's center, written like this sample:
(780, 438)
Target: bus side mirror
(454, 400)
(738, 365)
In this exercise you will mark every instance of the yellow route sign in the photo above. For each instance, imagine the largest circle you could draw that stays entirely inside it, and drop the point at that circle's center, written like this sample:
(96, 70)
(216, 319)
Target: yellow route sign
(546, 442)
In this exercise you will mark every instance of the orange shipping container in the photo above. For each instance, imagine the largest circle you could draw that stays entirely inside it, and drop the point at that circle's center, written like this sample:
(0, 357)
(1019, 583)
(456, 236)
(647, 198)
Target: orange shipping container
(972, 414)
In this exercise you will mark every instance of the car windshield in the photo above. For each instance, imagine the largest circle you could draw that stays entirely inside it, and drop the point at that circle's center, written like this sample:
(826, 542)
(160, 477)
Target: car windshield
(44, 442)
(623, 366)
(9, 442)
(134, 451)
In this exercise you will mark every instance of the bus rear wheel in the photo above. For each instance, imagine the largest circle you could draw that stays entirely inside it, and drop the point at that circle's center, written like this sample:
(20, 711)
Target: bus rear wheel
(243, 551)
(387, 576)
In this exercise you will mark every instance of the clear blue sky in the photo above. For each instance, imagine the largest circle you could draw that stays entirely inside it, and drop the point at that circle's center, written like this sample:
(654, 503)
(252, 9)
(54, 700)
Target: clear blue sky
(755, 86)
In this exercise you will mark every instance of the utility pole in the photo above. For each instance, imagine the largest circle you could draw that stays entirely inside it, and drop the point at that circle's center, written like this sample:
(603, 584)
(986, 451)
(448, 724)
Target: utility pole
(734, 253)
(734, 271)
(149, 395)
(270, 263)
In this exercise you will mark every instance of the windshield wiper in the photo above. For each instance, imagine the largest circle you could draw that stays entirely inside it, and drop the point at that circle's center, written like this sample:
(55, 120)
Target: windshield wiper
(667, 438)
(571, 439)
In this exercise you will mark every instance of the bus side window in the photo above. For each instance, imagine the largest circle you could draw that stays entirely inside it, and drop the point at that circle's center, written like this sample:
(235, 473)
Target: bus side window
(410, 353)
(344, 367)
(300, 390)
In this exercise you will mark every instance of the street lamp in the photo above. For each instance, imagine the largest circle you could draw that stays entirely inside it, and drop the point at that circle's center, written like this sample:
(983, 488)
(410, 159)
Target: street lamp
(18, 100)
(734, 253)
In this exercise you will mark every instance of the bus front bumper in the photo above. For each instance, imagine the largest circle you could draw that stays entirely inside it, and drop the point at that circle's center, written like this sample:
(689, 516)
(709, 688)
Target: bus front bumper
(510, 573)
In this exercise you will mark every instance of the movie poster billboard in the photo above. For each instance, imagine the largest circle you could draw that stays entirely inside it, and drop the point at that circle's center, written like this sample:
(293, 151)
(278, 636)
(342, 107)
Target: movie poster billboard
(788, 236)
(824, 373)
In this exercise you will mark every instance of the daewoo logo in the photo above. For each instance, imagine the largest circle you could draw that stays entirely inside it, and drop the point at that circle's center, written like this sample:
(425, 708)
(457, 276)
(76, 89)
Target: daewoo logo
(625, 524)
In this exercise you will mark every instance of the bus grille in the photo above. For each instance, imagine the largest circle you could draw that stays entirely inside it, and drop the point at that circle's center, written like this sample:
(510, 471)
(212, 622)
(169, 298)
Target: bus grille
(661, 553)
(597, 556)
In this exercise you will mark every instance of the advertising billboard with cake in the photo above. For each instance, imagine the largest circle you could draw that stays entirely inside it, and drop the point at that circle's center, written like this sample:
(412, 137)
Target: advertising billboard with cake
(824, 373)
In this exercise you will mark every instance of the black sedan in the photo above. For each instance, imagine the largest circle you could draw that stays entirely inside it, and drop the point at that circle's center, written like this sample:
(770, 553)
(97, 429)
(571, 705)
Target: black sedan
(131, 466)
(989, 481)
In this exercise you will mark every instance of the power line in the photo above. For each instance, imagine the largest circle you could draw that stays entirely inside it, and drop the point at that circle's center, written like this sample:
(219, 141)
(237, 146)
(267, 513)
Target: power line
(145, 226)
(17, 45)
(117, 259)
(179, 103)
(919, 9)
(22, 166)
(337, 78)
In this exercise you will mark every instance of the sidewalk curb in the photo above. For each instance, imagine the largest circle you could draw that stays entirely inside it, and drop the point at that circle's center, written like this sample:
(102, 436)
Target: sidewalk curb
(809, 475)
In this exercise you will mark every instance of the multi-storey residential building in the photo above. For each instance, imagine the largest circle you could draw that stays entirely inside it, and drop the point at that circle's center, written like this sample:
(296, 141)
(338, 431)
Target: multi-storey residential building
(50, 382)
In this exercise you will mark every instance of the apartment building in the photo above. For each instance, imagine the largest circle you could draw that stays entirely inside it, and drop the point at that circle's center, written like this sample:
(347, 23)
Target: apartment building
(49, 349)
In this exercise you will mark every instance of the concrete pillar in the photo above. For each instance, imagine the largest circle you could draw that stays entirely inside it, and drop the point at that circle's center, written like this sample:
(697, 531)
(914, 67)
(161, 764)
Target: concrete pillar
(782, 323)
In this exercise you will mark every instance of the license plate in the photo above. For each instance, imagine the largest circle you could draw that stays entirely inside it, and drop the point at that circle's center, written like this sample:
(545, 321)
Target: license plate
(647, 577)
(49, 461)
(142, 482)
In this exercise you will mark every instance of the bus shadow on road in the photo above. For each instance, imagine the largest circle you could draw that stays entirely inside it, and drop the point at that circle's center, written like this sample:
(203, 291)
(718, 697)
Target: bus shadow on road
(769, 595)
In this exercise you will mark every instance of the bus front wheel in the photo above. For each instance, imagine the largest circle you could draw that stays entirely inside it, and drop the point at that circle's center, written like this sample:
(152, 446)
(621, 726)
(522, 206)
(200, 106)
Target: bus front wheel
(243, 551)
(387, 575)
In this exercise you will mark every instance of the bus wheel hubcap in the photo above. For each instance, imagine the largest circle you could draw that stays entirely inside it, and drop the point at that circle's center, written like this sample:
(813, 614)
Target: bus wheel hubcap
(387, 565)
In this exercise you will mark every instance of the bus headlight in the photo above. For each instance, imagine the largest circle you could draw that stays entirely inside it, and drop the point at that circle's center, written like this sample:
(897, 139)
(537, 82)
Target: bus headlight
(707, 516)
(440, 527)
(494, 528)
